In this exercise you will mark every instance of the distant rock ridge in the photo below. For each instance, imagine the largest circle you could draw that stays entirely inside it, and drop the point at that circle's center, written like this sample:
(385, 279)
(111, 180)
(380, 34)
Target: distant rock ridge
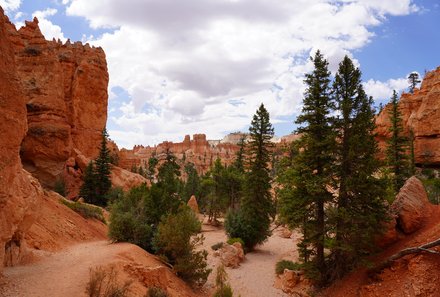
(199, 151)
(421, 114)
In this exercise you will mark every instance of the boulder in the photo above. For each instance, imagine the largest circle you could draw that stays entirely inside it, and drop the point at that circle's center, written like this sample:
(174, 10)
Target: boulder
(231, 255)
(126, 179)
(192, 203)
(411, 206)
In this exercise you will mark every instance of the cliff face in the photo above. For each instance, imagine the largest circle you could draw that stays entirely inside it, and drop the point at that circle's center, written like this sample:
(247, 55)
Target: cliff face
(65, 88)
(198, 151)
(19, 192)
(420, 113)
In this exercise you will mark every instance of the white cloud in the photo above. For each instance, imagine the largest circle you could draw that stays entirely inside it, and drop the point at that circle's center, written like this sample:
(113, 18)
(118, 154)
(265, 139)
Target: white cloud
(384, 90)
(194, 66)
(10, 5)
(49, 29)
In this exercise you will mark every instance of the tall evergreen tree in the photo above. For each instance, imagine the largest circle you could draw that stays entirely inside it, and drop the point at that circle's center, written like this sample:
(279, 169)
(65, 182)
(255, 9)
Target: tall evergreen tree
(312, 169)
(102, 170)
(167, 188)
(397, 146)
(239, 160)
(359, 207)
(251, 223)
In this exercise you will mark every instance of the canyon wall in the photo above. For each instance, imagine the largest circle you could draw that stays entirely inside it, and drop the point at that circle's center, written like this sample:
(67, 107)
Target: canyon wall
(20, 193)
(65, 91)
(421, 114)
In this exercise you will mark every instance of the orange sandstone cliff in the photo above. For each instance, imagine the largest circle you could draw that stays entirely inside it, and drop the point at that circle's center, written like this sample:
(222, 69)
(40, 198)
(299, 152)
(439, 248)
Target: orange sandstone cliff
(65, 88)
(421, 114)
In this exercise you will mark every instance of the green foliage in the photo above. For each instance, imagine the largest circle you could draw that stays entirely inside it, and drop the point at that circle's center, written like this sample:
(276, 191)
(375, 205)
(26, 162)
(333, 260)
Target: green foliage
(104, 283)
(397, 146)
(251, 223)
(192, 184)
(176, 241)
(96, 178)
(286, 264)
(114, 194)
(151, 169)
(217, 246)
(166, 190)
(223, 288)
(234, 240)
(133, 218)
(156, 292)
(85, 210)
(60, 187)
(432, 186)
(335, 154)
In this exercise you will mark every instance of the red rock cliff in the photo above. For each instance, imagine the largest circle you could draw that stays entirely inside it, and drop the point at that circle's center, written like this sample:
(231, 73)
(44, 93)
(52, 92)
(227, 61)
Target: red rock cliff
(19, 192)
(421, 113)
(65, 88)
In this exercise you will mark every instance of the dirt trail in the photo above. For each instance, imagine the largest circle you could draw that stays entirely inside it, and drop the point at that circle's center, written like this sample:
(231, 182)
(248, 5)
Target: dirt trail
(256, 275)
(65, 273)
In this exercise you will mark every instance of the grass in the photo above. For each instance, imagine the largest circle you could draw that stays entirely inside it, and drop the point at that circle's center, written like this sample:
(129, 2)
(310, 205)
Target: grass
(285, 264)
(85, 210)
(104, 283)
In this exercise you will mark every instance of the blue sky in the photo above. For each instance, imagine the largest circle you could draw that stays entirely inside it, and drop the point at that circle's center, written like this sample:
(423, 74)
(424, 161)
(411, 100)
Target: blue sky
(194, 66)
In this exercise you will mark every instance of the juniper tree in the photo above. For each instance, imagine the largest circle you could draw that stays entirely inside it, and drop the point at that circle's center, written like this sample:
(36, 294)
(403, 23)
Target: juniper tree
(397, 146)
(359, 208)
(312, 169)
(251, 222)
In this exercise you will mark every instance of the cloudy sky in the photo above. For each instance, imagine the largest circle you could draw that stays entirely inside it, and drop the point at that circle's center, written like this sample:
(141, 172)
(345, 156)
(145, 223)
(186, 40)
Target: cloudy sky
(203, 66)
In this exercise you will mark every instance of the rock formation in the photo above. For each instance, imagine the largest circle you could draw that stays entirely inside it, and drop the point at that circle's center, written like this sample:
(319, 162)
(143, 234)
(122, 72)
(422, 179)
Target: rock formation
(199, 151)
(19, 192)
(192, 203)
(411, 206)
(65, 91)
(421, 114)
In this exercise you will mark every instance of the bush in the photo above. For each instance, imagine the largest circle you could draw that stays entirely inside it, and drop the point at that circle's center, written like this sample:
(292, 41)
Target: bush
(85, 210)
(131, 219)
(176, 242)
(237, 226)
(225, 291)
(103, 283)
(60, 187)
(115, 194)
(432, 187)
(285, 264)
(156, 292)
(223, 288)
(231, 241)
(217, 246)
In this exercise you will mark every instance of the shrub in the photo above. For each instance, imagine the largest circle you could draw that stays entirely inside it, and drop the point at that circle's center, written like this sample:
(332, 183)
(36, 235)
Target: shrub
(223, 288)
(231, 241)
(60, 187)
(103, 283)
(432, 187)
(85, 210)
(156, 292)
(176, 241)
(114, 194)
(131, 219)
(237, 226)
(286, 264)
(225, 291)
(217, 246)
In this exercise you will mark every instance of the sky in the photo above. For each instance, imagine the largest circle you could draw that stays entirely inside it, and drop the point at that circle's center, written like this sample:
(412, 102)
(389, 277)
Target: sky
(204, 66)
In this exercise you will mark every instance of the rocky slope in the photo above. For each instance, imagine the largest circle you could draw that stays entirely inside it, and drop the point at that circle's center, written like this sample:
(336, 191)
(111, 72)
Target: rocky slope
(421, 114)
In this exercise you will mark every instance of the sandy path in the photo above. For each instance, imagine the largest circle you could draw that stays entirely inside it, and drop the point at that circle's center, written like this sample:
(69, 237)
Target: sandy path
(65, 273)
(256, 275)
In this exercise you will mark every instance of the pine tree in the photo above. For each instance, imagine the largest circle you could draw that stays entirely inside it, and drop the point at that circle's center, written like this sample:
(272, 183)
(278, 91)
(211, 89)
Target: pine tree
(88, 188)
(413, 80)
(239, 160)
(359, 208)
(251, 223)
(102, 170)
(397, 146)
(168, 184)
(304, 206)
